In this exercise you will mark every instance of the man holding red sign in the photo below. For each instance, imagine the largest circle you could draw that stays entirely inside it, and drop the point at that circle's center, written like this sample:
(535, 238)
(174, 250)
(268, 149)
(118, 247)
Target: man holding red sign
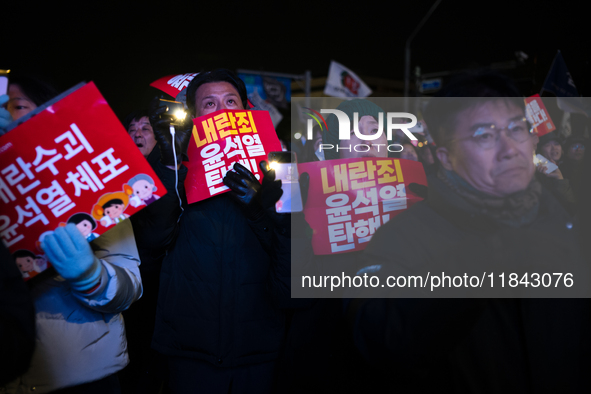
(225, 276)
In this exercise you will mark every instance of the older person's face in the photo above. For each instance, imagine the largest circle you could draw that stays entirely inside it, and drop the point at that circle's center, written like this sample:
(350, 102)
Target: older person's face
(213, 96)
(501, 170)
(367, 126)
(140, 130)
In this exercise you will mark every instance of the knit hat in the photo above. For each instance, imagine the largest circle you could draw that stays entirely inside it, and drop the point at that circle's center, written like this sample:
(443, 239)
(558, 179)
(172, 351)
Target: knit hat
(362, 107)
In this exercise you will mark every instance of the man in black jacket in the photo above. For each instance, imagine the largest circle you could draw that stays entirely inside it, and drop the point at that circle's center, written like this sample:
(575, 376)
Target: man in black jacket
(226, 275)
(485, 212)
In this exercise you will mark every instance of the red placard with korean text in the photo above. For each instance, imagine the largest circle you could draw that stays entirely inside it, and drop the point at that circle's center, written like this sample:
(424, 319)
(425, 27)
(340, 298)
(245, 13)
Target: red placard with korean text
(71, 163)
(221, 139)
(173, 84)
(537, 114)
(348, 199)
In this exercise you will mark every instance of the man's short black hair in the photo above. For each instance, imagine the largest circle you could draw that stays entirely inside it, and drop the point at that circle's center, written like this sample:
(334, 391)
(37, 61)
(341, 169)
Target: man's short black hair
(463, 92)
(135, 115)
(219, 75)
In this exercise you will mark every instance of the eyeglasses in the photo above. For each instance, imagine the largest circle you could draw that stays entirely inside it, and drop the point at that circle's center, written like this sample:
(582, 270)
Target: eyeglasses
(487, 136)
(578, 146)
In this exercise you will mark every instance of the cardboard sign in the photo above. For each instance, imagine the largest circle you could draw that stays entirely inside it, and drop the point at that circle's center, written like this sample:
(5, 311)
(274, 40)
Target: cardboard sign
(221, 139)
(71, 163)
(348, 199)
(537, 115)
(173, 84)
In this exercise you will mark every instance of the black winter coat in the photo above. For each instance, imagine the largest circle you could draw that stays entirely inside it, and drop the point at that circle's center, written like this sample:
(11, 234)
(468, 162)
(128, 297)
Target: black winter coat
(475, 345)
(223, 282)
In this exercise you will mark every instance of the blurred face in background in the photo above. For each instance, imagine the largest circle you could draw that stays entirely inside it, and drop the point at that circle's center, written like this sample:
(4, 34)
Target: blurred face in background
(18, 104)
(576, 151)
(552, 151)
(143, 135)
(409, 153)
(426, 156)
(367, 126)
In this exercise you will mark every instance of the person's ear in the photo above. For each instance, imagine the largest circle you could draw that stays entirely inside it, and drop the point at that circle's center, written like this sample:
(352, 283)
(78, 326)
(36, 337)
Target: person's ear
(444, 157)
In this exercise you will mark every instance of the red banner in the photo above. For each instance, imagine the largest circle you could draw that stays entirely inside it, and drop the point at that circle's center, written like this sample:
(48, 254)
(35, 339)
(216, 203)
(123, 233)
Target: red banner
(173, 84)
(349, 199)
(71, 163)
(221, 139)
(537, 114)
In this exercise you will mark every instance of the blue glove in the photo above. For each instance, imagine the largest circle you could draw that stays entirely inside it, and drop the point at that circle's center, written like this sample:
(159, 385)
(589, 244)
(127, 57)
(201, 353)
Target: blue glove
(5, 118)
(72, 257)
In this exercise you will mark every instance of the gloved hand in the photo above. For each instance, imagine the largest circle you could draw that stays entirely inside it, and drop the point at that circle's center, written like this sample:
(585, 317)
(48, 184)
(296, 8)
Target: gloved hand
(253, 197)
(5, 118)
(162, 134)
(72, 257)
(271, 190)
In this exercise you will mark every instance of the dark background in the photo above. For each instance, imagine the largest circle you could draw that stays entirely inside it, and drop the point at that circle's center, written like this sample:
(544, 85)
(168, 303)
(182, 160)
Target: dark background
(124, 47)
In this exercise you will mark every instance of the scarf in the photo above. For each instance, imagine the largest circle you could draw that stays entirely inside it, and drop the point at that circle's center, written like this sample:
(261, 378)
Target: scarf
(515, 210)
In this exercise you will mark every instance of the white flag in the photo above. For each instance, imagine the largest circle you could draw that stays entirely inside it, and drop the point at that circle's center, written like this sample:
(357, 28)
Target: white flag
(342, 82)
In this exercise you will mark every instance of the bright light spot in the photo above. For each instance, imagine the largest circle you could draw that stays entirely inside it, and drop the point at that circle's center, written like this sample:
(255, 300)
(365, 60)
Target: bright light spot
(297, 136)
(180, 114)
(273, 165)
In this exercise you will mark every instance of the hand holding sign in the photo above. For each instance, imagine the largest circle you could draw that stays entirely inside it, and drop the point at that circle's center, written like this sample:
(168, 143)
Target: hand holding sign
(5, 118)
(72, 257)
(245, 190)
(164, 137)
(271, 189)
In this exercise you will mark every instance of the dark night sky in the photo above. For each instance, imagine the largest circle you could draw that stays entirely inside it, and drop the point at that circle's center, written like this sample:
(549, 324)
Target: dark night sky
(123, 48)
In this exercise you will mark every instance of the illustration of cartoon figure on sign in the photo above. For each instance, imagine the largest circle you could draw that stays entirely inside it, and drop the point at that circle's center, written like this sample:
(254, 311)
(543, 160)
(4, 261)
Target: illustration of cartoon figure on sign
(142, 189)
(109, 209)
(86, 224)
(26, 262)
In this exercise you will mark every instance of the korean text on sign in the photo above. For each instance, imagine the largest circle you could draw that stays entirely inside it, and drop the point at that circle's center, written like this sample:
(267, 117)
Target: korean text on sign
(349, 199)
(223, 138)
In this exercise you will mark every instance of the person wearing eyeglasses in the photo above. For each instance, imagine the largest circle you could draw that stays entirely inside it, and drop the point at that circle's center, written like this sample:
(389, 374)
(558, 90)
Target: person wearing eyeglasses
(485, 213)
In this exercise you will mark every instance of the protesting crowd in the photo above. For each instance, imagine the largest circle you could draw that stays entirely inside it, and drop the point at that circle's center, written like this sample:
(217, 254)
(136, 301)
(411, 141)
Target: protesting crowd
(197, 297)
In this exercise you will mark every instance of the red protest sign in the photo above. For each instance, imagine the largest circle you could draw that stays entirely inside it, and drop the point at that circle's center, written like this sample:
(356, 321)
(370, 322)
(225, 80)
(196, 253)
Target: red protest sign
(348, 199)
(537, 115)
(71, 163)
(173, 84)
(221, 139)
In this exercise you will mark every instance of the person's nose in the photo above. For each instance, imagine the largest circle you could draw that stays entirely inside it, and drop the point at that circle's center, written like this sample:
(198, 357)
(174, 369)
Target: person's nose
(506, 146)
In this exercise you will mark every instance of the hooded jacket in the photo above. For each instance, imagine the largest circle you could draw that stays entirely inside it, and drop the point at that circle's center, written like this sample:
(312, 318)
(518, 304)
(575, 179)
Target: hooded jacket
(80, 337)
